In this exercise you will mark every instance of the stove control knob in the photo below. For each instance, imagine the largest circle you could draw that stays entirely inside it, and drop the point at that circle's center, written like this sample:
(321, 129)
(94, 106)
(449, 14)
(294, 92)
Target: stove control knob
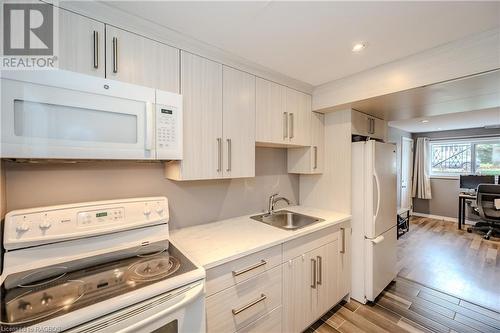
(45, 225)
(159, 210)
(25, 306)
(46, 299)
(23, 227)
(147, 211)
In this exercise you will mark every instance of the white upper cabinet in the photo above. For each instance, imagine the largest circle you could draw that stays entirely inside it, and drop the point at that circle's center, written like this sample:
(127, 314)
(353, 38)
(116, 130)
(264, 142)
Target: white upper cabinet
(310, 160)
(81, 44)
(298, 108)
(202, 96)
(283, 115)
(365, 125)
(139, 60)
(238, 123)
(271, 117)
(219, 122)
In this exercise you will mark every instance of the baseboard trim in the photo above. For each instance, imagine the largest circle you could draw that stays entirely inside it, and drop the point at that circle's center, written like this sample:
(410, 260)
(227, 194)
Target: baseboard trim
(437, 217)
(442, 218)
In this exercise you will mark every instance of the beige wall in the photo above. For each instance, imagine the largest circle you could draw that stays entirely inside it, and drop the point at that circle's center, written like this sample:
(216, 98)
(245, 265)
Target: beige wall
(332, 189)
(195, 202)
(444, 200)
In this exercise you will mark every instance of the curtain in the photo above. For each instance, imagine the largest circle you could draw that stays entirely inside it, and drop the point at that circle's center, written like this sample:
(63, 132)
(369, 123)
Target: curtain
(421, 181)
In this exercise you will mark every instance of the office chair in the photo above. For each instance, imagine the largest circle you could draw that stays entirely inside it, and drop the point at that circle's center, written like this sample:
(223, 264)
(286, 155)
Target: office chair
(486, 195)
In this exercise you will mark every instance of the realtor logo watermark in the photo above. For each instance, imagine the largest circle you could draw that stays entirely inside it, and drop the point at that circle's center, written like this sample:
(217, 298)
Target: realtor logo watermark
(29, 30)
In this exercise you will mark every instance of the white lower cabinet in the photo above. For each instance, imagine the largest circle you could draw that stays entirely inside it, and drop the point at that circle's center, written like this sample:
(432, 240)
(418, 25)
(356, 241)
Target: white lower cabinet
(284, 288)
(239, 306)
(310, 286)
(345, 261)
(268, 323)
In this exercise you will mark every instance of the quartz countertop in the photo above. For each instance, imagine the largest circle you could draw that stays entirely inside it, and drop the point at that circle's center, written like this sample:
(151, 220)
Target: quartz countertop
(213, 244)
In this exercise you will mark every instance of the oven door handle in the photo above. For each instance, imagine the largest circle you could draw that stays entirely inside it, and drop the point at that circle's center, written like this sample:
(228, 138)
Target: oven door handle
(189, 296)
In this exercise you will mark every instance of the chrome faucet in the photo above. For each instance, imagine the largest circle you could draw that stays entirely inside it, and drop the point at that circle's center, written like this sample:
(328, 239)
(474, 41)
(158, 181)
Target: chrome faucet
(273, 199)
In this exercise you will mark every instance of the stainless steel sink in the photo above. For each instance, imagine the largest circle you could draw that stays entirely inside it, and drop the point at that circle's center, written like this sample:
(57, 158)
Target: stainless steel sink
(285, 219)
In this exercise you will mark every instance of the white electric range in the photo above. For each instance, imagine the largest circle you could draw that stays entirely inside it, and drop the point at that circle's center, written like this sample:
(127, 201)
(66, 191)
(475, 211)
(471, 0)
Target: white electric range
(105, 266)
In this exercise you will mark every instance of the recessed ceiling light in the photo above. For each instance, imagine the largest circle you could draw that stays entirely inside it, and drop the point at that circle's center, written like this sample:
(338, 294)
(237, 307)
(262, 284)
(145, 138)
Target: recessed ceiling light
(358, 47)
(425, 121)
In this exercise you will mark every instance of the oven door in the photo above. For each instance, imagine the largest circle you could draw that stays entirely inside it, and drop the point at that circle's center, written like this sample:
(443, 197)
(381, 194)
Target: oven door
(179, 311)
(66, 115)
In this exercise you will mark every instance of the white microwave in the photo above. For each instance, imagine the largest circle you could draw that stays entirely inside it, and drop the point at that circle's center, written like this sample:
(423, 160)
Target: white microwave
(66, 115)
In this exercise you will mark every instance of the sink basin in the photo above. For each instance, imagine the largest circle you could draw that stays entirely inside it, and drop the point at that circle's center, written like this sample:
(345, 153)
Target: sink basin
(287, 220)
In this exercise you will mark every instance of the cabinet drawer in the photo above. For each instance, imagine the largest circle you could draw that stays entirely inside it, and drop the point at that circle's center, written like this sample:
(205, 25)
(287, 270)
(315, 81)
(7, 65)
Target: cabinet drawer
(242, 304)
(233, 272)
(270, 322)
(298, 246)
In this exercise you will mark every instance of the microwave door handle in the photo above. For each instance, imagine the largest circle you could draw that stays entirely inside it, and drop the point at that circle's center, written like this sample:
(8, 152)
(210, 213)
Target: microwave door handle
(149, 127)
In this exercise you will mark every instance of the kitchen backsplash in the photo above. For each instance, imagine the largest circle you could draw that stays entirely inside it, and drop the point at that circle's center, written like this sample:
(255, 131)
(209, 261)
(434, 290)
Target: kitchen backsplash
(191, 203)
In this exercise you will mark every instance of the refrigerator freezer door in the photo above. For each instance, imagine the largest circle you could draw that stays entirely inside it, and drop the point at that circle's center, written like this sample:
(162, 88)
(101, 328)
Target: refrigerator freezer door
(383, 160)
(380, 263)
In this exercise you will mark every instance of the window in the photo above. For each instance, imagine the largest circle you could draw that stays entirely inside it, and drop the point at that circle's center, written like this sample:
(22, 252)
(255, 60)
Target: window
(453, 158)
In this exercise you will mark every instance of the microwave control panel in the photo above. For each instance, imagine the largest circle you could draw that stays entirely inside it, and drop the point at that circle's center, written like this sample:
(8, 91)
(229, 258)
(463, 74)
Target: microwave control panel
(168, 132)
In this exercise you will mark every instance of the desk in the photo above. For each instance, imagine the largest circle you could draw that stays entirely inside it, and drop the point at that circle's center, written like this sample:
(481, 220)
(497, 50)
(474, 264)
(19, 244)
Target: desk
(462, 197)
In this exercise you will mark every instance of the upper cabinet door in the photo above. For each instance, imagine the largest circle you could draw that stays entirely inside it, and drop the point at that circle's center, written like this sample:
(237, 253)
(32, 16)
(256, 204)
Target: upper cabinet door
(318, 142)
(310, 160)
(238, 123)
(81, 44)
(139, 60)
(203, 143)
(298, 107)
(271, 116)
(365, 125)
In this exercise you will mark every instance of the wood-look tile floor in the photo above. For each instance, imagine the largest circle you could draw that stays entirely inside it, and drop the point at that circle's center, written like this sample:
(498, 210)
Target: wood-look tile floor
(406, 306)
(438, 255)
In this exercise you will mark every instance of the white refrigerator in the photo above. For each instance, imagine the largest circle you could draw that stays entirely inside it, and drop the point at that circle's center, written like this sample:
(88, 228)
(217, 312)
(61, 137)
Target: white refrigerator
(374, 218)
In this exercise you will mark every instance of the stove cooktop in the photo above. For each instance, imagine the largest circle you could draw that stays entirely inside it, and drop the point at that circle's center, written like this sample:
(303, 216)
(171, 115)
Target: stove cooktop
(31, 297)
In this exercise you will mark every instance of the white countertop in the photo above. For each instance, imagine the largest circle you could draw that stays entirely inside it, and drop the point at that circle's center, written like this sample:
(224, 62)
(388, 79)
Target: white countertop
(216, 243)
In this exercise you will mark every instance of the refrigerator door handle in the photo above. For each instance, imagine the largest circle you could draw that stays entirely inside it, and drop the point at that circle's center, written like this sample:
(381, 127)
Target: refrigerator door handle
(377, 240)
(377, 183)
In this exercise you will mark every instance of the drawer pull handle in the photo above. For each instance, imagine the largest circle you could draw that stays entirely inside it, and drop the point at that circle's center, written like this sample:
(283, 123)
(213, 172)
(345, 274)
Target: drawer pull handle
(244, 270)
(249, 305)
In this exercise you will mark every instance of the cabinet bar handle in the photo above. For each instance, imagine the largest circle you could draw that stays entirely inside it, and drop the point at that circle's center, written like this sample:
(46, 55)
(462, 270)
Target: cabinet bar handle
(315, 157)
(320, 270)
(292, 125)
(249, 268)
(115, 55)
(313, 272)
(96, 49)
(219, 154)
(229, 155)
(285, 125)
(249, 305)
(343, 240)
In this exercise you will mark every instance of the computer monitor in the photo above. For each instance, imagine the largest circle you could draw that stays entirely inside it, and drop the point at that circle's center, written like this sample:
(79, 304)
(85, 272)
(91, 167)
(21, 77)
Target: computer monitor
(472, 181)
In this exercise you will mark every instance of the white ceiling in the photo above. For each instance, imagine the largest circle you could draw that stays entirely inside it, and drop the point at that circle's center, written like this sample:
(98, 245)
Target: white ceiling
(475, 92)
(312, 41)
(450, 121)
